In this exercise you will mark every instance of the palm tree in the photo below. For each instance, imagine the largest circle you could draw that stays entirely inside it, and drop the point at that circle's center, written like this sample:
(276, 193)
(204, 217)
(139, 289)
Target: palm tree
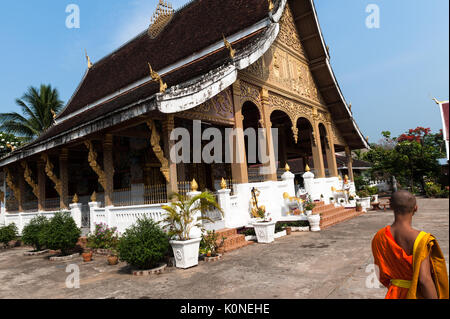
(38, 109)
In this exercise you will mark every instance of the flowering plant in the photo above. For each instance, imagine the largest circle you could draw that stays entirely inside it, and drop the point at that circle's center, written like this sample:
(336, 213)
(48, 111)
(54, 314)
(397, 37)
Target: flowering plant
(103, 237)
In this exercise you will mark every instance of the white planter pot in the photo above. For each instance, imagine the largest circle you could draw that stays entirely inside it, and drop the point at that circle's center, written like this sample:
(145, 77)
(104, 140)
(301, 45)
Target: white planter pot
(265, 232)
(365, 203)
(314, 222)
(186, 252)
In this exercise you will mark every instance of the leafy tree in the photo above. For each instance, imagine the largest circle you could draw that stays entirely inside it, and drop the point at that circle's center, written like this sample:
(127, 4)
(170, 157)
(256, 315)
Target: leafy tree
(32, 233)
(411, 157)
(8, 233)
(61, 233)
(38, 109)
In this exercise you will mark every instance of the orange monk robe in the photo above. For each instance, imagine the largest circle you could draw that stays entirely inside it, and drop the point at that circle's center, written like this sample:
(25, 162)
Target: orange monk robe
(392, 261)
(395, 264)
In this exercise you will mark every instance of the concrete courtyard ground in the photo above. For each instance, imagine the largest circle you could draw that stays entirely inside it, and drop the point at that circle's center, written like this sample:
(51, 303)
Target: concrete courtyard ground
(327, 264)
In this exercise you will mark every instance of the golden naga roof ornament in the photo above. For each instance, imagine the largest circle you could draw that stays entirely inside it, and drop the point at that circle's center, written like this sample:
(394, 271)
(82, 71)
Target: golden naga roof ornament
(157, 78)
(271, 6)
(229, 47)
(161, 17)
(89, 63)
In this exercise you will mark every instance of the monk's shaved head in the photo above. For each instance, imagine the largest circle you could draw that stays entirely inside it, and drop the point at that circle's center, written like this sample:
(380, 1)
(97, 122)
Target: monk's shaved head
(403, 202)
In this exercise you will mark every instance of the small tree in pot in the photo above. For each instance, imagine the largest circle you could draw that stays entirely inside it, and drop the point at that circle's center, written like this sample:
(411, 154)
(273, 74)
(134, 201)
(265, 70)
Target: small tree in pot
(32, 233)
(180, 219)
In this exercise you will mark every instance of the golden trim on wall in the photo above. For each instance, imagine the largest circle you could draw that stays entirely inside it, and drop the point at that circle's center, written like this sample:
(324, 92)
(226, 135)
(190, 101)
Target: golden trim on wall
(154, 141)
(92, 159)
(29, 179)
(49, 171)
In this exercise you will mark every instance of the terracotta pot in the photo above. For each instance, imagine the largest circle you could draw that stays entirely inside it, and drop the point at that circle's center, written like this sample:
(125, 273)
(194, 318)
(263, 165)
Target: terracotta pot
(359, 208)
(288, 230)
(87, 256)
(208, 254)
(113, 260)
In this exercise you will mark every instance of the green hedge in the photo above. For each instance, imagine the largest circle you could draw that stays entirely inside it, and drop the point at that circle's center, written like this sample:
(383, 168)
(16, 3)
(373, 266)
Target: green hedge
(32, 234)
(143, 245)
(60, 233)
(8, 233)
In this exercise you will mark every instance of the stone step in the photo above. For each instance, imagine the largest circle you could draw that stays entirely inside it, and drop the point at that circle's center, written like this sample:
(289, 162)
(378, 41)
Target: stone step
(337, 214)
(322, 207)
(349, 214)
(232, 243)
(332, 211)
(226, 232)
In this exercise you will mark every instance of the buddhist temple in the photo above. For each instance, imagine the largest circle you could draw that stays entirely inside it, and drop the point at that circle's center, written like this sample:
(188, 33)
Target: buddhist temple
(229, 64)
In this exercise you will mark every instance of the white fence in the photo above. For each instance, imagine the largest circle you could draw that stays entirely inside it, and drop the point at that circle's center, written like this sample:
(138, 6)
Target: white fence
(22, 219)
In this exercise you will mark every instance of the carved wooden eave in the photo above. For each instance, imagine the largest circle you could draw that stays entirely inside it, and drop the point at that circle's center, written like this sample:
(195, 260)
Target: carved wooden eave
(29, 179)
(154, 142)
(49, 171)
(92, 159)
(10, 182)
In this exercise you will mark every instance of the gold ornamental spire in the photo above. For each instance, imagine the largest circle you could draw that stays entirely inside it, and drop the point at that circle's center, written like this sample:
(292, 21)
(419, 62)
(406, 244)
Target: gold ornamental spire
(160, 18)
(223, 184)
(307, 168)
(287, 168)
(194, 185)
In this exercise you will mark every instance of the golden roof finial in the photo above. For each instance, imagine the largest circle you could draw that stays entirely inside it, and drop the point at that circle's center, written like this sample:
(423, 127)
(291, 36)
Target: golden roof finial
(307, 168)
(271, 6)
(94, 197)
(161, 17)
(223, 184)
(88, 60)
(75, 199)
(229, 47)
(194, 185)
(287, 168)
(156, 77)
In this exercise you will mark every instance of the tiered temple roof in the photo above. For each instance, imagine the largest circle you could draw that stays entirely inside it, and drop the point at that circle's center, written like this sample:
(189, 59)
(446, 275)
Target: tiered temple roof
(190, 55)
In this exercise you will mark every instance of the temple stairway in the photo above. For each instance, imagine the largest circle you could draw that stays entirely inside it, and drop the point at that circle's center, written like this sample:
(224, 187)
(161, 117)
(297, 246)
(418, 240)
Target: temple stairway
(232, 240)
(330, 215)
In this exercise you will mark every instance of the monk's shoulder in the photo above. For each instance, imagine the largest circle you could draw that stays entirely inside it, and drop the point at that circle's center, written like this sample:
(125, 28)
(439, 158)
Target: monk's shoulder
(379, 235)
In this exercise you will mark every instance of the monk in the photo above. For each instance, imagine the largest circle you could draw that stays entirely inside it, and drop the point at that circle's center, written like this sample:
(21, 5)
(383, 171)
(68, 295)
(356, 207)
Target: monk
(410, 262)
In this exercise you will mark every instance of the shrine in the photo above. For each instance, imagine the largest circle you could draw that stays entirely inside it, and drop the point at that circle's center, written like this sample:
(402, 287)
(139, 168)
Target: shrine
(229, 64)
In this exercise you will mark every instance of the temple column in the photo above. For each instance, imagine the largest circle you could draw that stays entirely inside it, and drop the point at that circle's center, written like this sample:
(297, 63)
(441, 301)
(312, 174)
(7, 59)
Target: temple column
(21, 182)
(331, 156)
(267, 125)
(64, 177)
(348, 154)
(41, 184)
(108, 166)
(316, 147)
(239, 169)
(168, 126)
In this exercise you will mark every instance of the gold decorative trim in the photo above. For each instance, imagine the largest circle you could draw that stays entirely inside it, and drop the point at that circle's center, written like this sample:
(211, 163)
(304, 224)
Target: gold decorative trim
(154, 141)
(92, 159)
(194, 185)
(49, 171)
(157, 78)
(229, 47)
(29, 179)
(10, 182)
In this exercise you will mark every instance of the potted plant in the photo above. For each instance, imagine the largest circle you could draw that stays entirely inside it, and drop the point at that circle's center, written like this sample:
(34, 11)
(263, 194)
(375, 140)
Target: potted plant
(373, 193)
(87, 255)
(113, 258)
(309, 208)
(180, 219)
(364, 198)
(358, 207)
(144, 245)
(264, 227)
(210, 244)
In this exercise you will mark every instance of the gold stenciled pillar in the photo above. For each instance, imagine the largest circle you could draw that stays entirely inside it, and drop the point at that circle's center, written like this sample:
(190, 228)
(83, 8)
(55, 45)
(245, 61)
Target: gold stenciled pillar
(64, 177)
(316, 147)
(348, 154)
(168, 126)
(239, 169)
(267, 125)
(108, 166)
(41, 184)
(330, 152)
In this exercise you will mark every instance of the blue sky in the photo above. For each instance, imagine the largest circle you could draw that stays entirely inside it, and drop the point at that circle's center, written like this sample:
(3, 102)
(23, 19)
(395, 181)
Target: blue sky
(388, 74)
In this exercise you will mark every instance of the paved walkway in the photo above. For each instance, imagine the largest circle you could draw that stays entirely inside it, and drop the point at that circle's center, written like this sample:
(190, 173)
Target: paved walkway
(328, 264)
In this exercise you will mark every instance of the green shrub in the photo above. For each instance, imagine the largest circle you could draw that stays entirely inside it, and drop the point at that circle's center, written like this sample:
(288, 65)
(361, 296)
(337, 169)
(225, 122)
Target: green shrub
(61, 233)
(363, 193)
(143, 245)
(434, 190)
(8, 233)
(32, 233)
(210, 243)
(103, 237)
(373, 190)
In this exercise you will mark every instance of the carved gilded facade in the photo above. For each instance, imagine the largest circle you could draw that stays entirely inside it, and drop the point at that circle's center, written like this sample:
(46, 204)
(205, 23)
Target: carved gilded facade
(49, 171)
(92, 159)
(154, 141)
(29, 179)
